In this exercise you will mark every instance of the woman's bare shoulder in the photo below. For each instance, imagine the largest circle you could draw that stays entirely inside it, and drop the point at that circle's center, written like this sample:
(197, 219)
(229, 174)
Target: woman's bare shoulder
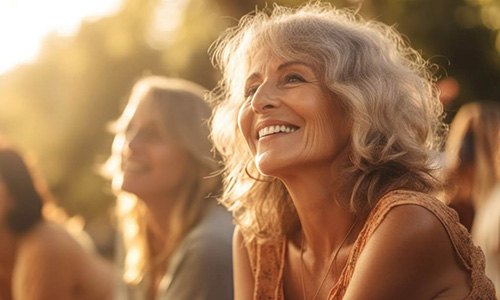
(49, 239)
(50, 257)
(410, 254)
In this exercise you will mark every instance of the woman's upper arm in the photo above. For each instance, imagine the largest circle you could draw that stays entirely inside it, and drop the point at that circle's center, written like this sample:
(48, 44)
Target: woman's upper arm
(44, 269)
(243, 277)
(409, 256)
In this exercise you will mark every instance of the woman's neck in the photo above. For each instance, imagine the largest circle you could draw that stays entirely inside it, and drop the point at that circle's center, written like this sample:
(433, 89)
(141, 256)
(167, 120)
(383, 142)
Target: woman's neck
(159, 209)
(319, 197)
(158, 218)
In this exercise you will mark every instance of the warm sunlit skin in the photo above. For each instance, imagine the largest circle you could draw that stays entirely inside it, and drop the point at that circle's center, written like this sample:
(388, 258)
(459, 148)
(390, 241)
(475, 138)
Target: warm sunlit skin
(47, 263)
(149, 148)
(290, 94)
(310, 159)
(52, 265)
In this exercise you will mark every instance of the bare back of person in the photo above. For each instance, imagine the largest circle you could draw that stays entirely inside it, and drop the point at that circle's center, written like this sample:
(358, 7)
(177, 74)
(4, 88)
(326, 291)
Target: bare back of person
(51, 264)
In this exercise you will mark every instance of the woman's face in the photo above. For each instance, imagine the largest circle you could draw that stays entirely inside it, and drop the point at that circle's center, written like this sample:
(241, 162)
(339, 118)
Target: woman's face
(289, 119)
(154, 165)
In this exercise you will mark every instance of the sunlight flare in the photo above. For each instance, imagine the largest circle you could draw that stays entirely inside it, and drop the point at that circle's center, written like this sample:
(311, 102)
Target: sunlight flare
(25, 23)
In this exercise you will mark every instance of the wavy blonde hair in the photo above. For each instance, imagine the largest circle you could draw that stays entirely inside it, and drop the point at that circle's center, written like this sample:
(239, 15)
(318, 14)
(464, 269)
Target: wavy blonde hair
(385, 86)
(185, 114)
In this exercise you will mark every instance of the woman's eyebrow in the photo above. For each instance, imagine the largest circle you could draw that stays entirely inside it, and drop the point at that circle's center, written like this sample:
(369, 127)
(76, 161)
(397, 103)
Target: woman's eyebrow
(282, 66)
(291, 63)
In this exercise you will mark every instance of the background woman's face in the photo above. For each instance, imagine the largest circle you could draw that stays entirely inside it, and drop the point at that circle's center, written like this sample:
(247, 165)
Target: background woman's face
(154, 164)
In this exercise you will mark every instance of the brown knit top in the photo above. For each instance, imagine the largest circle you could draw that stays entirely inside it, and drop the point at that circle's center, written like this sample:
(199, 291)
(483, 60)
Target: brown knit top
(268, 259)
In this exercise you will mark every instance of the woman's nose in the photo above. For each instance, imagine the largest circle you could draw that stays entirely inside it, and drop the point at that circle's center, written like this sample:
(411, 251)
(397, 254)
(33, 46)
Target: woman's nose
(266, 97)
(133, 140)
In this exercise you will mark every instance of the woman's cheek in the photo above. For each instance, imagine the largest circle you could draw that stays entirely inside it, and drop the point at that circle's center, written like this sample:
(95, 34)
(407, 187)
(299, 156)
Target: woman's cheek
(245, 120)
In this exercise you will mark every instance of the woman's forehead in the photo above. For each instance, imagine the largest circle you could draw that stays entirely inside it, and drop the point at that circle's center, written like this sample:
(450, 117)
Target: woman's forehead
(147, 111)
(266, 59)
(256, 58)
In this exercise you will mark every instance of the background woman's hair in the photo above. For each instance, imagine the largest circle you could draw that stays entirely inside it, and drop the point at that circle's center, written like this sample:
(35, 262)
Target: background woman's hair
(26, 209)
(385, 86)
(474, 144)
(184, 113)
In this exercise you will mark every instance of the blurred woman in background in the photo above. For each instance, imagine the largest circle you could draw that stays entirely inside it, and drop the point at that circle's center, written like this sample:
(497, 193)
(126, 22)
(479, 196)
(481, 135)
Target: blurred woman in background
(473, 177)
(174, 240)
(39, 259)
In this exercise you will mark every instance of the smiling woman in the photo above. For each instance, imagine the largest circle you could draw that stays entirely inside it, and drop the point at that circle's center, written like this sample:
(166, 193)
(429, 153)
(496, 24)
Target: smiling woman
(25, 23)
(327, 124)
(297, 132)
(174, 241)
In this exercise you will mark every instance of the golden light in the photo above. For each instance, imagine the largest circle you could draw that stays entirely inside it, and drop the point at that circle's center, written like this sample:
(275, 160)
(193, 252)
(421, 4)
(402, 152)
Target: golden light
(25, 23)
(167, 17)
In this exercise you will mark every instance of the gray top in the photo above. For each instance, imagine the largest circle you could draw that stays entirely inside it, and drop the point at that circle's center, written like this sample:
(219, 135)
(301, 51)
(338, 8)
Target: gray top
(200, 268)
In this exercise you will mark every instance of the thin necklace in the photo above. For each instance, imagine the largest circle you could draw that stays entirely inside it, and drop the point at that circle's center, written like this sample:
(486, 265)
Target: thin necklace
(332, 260)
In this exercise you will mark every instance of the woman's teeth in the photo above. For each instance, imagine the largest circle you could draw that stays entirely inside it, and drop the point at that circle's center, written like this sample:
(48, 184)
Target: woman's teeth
(276, 129)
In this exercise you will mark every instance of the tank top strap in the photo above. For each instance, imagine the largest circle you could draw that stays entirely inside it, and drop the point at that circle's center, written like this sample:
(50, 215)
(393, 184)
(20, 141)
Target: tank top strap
(267, 261)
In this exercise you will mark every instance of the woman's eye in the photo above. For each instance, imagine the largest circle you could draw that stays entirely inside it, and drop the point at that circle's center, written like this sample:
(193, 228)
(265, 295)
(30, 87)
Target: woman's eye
(294, 78)
(250, 91)
(148, 135)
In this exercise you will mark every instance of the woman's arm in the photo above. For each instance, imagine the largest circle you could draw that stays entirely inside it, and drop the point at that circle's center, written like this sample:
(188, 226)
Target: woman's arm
(45, 268)
(409, 256)
(243, 277)
(51, 265)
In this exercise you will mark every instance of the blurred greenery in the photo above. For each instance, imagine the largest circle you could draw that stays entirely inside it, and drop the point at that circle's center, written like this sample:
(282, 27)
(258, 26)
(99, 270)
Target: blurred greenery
(57, 108)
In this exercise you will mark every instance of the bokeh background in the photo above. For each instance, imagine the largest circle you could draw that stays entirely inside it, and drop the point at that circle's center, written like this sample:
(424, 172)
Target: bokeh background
(67, 66)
